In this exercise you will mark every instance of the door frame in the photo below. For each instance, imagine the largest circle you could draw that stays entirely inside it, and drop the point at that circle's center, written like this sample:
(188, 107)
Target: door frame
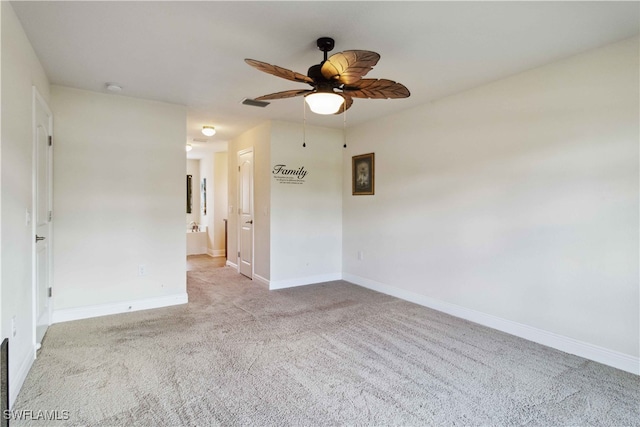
(38, 99)
(253, 205)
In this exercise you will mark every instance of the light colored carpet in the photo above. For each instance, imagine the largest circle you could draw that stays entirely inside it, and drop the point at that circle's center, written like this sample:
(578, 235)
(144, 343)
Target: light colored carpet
(330, 354)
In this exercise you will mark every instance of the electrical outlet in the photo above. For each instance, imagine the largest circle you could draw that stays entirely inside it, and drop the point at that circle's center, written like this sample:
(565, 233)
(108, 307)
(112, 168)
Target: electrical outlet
(14, 330)
(142, 270)
(27, 218)
(360, 255)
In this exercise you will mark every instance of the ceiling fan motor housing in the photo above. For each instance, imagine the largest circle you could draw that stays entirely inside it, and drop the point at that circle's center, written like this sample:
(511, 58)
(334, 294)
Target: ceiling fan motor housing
(325, 44)
(315, 73)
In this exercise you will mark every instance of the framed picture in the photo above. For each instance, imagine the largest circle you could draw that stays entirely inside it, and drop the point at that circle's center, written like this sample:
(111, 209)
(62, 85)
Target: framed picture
(203, 196)
(363, 174)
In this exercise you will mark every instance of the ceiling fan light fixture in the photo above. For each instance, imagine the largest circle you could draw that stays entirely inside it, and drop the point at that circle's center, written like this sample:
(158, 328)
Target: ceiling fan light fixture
(208, 130)
(324, 102)
(343, 71)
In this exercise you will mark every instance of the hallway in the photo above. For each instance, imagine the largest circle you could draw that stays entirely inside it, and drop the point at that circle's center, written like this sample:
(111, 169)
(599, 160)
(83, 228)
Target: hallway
(204, 262)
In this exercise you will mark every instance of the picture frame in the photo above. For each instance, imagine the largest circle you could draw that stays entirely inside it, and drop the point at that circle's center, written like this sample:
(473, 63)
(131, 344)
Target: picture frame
(363, 174)
(203, 196)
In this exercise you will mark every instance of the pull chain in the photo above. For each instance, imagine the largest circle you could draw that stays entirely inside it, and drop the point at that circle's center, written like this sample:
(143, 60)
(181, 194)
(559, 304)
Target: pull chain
(344, 127)
(304, 123)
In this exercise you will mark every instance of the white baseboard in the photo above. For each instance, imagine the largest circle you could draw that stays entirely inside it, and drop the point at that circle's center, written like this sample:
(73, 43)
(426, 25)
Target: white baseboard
(261, 280)
(67, 315)
(16, 383)
(301, 281)
(232, 265)
(215, 253)
(593, 352)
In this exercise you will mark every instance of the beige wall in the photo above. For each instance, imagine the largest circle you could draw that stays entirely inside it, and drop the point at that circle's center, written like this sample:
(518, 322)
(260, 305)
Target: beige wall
(20, 71)
(306, 219)
(517, 200)
(297, 228)
(219, 202)
(193, 169)
(213, 166)
(119, 200)
(206, 171)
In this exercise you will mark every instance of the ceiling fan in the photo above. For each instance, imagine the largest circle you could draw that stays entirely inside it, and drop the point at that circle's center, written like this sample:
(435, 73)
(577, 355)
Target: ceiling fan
(335, 81)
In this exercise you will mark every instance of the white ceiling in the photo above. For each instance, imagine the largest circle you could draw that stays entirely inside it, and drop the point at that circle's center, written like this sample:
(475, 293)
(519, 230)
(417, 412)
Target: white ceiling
(192, 53)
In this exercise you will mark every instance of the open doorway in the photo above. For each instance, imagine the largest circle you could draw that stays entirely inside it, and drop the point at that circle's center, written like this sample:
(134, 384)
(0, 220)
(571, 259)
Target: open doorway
(206, 209)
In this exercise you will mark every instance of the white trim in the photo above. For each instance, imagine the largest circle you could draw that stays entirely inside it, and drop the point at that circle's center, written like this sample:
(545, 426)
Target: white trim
(78, 313)
(37, 99)
(589, 351)
(16, 383)
(259, 279)
(215, 253)
(199, 251)
(239, 215)
(232, 265)
(302, 281)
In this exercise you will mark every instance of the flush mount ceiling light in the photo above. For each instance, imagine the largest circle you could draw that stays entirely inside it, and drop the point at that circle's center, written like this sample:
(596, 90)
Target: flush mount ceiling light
(112, 87)
(208, 130)
(324, 102)
(189, 147)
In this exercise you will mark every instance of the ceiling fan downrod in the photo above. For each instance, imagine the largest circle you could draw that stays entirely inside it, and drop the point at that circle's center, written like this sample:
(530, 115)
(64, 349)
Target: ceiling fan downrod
(325, 44)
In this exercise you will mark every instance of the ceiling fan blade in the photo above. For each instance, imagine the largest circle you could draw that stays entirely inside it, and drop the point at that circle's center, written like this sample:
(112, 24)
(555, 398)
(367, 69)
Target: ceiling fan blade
(279, 71)
(349, 66)
(284, 94)
(376, 88)
(348, 101)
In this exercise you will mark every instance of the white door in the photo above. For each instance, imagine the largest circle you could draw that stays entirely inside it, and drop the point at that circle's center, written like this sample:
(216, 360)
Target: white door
(42, 190)
(245, 212)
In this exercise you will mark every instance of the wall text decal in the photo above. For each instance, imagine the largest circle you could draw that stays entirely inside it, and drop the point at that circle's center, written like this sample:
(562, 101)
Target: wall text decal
(285, 175)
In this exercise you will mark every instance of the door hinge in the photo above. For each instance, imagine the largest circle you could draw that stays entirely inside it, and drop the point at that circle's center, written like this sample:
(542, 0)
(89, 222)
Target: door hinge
(50, 292)
(238, 168)
(238, 254)
(50, 216)
(50, 140)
